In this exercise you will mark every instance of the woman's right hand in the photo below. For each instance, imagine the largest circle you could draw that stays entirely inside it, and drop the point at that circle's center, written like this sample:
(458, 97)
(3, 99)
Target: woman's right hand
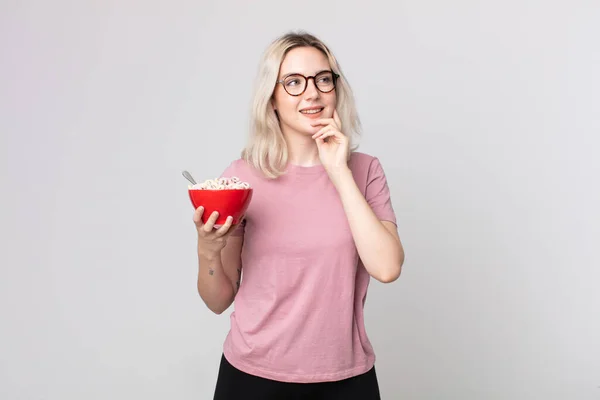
(210, 240)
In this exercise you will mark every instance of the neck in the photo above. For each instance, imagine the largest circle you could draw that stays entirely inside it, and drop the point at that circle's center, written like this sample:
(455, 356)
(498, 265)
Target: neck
(302, 150)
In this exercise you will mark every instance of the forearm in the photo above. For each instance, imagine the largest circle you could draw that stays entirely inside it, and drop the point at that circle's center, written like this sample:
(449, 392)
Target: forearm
(214, 287)
(380, 251)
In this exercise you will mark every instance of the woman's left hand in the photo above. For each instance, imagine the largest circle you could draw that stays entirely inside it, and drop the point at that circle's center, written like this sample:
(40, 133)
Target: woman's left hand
(332, 144)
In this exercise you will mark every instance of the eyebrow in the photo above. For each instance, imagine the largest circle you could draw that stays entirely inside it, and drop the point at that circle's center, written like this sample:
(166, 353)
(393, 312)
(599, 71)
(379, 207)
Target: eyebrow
(298, 73)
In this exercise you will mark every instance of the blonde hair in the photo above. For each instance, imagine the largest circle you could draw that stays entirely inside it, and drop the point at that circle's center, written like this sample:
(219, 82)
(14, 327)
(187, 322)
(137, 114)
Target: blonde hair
(266, 149)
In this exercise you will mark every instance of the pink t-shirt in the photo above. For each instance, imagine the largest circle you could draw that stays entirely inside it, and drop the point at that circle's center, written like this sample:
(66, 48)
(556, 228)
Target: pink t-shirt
(298, 315)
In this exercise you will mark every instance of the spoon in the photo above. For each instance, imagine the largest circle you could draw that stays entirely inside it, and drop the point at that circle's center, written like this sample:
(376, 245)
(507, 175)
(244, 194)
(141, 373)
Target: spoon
(188, 176)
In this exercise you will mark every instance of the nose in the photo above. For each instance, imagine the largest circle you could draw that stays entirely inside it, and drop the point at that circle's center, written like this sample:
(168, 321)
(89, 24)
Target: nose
(311, 91)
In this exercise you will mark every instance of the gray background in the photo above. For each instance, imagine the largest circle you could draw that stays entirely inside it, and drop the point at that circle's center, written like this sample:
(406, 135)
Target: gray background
(485, 116)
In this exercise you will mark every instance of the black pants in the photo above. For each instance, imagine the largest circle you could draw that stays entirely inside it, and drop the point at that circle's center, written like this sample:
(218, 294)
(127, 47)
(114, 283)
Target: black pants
(233, 384)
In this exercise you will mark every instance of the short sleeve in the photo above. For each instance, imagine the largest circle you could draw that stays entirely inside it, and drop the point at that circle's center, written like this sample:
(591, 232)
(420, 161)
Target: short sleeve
(230, 171)
(377, 193)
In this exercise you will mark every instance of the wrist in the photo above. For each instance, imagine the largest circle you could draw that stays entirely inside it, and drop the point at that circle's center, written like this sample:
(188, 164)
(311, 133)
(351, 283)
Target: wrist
(340, 174)
(208, 255)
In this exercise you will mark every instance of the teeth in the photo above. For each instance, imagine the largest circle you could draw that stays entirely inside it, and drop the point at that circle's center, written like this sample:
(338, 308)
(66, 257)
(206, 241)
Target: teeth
(311, 111)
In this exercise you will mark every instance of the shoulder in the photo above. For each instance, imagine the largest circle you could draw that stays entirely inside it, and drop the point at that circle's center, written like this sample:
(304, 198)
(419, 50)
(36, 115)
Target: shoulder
(363, 162)
(366, 169)
(242, 169)
(360, 158)
(237, 165)
(233, 169)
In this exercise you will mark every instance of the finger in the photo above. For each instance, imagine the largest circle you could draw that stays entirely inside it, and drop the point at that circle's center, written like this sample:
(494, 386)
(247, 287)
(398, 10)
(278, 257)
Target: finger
(329, 134)
(323, 121)
(336, 118)
(198, 216)
(208, 227)
(327, 122)
(320, 143)
(225, 227)
(322, 131)
(332, 136)
(330, 139)
(324, 141)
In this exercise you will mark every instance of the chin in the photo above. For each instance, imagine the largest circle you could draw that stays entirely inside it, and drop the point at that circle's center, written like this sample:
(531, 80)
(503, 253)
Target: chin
(304, 128)
(311, 130)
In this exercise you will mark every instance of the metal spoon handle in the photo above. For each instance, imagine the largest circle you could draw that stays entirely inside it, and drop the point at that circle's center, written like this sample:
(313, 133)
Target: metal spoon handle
(188, 176)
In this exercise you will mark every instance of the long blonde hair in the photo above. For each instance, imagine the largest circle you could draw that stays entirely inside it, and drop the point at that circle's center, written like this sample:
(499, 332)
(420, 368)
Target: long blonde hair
(266, 149)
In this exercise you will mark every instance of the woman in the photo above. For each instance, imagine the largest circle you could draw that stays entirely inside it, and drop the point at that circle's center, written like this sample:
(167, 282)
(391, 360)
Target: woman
(320, 224)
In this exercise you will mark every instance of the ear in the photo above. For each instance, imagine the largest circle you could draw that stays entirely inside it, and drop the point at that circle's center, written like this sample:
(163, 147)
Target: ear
(273, 103)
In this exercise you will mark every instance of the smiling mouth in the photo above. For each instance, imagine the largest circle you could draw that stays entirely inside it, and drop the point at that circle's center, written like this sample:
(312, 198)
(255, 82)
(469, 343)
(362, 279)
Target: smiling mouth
(312, 111)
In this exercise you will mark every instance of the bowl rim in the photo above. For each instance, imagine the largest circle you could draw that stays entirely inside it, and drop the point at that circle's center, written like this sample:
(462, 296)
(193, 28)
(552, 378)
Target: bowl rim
(219, 190)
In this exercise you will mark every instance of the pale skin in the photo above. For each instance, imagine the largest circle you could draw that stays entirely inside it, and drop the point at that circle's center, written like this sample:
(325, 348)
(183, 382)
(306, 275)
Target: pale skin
(312, 140)
(377, 242)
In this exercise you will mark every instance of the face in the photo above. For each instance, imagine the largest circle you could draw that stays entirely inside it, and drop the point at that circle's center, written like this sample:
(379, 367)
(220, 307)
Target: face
(296, 113)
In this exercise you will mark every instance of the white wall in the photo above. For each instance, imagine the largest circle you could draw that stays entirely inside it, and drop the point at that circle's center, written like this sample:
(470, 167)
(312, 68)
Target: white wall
(485, 116)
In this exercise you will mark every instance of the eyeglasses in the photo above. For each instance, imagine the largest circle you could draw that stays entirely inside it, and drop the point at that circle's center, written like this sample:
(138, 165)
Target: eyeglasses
(296, 84)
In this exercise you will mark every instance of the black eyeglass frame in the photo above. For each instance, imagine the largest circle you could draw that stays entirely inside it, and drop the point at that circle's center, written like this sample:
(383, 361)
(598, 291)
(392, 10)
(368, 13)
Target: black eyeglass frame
(306, 78)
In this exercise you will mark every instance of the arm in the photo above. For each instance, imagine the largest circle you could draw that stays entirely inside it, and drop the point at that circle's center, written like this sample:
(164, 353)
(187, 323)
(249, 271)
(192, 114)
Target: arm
(377, 242)
(219, 262)
(219, 275)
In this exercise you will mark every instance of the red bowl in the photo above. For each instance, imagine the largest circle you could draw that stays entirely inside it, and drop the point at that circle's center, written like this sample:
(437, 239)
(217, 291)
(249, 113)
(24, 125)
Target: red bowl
(228, 202)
